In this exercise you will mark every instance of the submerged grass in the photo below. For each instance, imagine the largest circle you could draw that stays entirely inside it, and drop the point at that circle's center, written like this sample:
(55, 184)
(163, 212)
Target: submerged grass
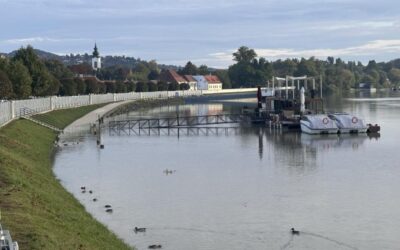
(60, 119)
(39, 212)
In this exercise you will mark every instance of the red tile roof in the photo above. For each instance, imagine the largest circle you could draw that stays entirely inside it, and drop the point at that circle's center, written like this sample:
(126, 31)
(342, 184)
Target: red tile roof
(212, 79)
(176, 76)
(171, 76)
(189, 78)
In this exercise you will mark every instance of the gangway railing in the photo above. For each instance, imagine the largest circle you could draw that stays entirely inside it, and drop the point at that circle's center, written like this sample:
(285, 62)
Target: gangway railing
(178, 121)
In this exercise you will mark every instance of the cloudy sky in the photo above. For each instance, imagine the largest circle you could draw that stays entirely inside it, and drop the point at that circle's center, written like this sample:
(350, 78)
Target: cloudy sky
(205, 31)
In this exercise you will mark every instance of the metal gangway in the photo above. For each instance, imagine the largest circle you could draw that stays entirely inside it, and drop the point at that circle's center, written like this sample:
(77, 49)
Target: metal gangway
(180, 121)
(179, 131)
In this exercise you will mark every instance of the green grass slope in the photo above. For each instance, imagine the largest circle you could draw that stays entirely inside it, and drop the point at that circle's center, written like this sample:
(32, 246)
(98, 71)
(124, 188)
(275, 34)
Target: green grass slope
(39, 212)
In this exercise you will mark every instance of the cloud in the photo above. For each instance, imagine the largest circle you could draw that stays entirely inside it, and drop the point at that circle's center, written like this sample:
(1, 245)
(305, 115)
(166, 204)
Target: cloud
(357, 25)
(39, 39)
(29, 40)
(370, 48)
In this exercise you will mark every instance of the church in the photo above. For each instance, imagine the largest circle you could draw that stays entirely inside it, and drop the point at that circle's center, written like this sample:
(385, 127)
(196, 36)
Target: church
(96, 59)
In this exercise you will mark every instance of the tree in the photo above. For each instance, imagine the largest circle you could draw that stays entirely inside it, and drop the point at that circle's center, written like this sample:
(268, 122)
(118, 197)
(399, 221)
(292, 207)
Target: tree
(224, 77)
(140, 72)
(68, 87)
(91, 86)
(80, 86)
(152, 86)
(244, 54)
(153, 75)
(6, 89)
(111, 87)
(141, 87)
(121, 87)
(203, 70)
(307, 67)
(189, 69)
(43, 82)
(131, 86)
(58, 70)
(20, 79)
(394, 75)
(102, 87)
(184, 86)
(162, 86)
(173, 86)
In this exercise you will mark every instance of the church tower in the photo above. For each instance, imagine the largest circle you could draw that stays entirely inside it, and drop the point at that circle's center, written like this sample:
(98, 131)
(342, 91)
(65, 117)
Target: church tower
(96, 59)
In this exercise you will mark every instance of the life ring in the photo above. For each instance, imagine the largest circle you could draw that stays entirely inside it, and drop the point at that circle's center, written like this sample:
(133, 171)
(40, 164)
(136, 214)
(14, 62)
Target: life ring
(325, 120)
(354, 120)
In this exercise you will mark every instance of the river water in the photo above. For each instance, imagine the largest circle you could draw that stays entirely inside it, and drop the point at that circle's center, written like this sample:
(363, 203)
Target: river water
(243, 188)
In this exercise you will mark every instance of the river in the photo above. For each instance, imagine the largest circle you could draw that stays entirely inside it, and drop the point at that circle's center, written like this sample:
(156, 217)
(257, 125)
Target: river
(240, 187)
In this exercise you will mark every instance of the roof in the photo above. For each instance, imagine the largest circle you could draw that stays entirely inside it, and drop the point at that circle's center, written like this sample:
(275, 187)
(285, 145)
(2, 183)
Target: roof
(189, 78)
(212, 79)
(171, 76)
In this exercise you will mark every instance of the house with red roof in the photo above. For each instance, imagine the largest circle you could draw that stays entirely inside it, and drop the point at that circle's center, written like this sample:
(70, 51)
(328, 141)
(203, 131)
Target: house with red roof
(171, 76)
(213, 82)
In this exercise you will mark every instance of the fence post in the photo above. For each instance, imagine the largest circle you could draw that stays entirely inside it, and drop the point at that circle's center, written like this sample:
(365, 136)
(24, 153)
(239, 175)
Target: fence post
(51, 103)
(12, 109)
(140, 95)
(115, 97)
(90, 99)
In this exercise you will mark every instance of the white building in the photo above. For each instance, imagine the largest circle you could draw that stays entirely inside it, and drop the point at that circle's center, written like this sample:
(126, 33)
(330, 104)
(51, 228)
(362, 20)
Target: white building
(201, 82)
(96, 59)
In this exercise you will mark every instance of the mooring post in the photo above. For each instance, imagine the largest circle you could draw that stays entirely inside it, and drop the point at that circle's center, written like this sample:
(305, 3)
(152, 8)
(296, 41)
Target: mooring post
(320, 85)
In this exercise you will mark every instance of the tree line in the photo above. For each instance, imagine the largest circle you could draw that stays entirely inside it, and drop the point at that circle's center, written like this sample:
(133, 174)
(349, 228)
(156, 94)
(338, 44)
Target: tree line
(25, 74)
(337, 75)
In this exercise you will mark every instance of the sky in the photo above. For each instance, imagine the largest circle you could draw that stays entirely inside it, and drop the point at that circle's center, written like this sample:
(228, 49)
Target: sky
(205, 31)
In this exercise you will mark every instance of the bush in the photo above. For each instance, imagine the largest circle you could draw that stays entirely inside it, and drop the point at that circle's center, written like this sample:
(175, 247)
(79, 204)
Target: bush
(141, 87)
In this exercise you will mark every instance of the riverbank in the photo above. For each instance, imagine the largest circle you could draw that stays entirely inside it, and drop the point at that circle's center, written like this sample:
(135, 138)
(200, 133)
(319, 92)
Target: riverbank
(36, 208)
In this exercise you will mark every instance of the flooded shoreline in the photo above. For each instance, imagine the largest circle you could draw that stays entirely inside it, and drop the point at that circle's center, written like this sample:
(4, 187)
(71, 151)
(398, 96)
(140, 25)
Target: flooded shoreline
(244, 189)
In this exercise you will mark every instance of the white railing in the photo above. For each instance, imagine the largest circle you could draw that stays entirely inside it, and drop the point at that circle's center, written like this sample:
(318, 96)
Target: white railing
(14, 109)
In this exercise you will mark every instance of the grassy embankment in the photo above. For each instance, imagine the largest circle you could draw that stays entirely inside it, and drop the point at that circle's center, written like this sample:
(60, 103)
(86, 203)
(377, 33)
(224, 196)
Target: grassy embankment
(39, 212)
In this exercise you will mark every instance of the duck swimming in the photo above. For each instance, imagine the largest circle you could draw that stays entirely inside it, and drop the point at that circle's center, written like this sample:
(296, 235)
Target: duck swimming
(155, 247)
(139, 229)
(295, 232)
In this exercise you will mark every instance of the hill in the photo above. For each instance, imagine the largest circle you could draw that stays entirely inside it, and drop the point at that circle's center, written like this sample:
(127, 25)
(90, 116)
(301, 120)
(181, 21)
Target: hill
(107, 61)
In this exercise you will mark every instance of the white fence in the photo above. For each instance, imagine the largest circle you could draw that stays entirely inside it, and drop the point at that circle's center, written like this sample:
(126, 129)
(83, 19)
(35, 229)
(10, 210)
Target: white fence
(14, 109)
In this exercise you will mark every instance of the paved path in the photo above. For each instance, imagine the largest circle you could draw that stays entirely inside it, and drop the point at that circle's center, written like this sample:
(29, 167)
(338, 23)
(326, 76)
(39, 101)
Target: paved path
(94, 115)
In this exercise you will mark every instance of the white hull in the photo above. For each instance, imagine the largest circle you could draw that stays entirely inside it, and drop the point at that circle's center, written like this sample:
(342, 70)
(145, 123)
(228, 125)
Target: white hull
(306, 129)
(352, 130)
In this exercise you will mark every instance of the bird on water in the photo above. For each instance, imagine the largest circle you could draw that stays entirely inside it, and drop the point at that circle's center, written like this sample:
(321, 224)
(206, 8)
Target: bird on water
(139, 229)
(295, 232)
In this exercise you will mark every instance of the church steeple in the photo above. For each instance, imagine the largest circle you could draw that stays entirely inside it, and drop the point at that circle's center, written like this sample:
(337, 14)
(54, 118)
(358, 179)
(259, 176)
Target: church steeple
(96, 59)
(95, 51)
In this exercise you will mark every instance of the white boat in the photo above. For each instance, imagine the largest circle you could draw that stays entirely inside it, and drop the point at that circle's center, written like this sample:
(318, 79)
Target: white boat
(318, 124)
(349, 123)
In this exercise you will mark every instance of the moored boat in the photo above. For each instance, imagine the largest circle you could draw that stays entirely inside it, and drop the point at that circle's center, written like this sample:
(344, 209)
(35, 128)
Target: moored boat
(318, 124)
(348, 123)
